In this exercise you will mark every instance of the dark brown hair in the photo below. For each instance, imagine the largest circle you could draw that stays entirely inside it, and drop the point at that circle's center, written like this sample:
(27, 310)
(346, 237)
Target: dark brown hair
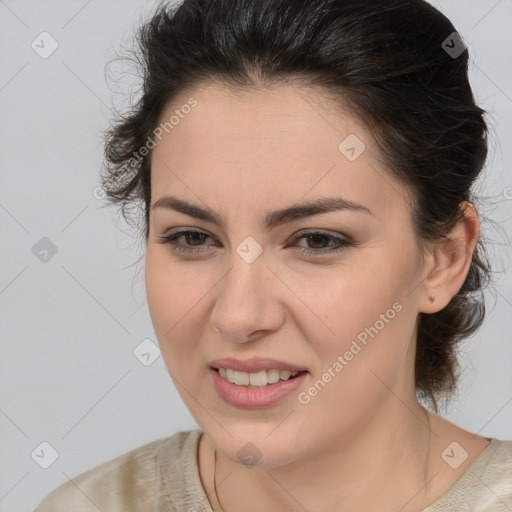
(392, 62)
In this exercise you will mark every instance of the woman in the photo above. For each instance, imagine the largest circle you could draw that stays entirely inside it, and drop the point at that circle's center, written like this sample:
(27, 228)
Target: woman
(305, 170)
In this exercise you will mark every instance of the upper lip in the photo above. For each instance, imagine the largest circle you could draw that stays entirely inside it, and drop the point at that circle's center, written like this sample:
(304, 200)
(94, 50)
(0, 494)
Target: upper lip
(255, 364)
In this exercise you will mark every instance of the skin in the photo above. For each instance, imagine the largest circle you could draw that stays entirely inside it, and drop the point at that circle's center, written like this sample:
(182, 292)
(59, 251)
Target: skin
(363, 442)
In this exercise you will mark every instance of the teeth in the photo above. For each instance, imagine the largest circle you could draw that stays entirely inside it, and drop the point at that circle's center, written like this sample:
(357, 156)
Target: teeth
(256, 379)
(273, 376)
(241, 378)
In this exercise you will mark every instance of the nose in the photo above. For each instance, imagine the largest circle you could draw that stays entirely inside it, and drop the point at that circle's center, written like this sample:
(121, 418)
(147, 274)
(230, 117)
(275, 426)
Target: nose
(248, 304)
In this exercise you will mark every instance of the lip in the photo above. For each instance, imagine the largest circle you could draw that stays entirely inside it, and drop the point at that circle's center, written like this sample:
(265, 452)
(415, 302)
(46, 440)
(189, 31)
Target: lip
(255, 364)
(255, 398)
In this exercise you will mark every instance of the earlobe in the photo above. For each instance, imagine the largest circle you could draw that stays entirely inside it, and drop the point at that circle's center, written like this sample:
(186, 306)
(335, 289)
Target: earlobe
(450, 262)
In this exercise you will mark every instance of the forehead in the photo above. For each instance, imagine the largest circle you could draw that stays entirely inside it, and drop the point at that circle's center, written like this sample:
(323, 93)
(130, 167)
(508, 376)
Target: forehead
(258, 141)
(272, 114)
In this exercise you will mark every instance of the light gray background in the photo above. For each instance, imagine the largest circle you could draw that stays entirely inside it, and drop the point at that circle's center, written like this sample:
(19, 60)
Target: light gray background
(69, 326)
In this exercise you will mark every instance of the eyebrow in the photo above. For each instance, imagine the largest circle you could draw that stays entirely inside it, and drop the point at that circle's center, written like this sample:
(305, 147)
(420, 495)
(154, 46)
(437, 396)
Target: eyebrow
(272, 219)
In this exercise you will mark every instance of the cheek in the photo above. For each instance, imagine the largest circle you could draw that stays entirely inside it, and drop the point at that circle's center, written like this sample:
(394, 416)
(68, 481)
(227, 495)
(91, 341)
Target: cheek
(365, 312)
(345, 301)
(174, 294)
(172, 290)
(367, 353)
(161, 294)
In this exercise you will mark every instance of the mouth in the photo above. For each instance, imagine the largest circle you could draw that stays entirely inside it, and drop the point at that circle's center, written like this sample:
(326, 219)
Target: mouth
(257, 382)
(260, 379)
(256, 390)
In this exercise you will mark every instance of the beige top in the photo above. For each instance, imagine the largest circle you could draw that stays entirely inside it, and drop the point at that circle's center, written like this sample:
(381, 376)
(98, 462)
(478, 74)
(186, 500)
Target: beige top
(163, 476)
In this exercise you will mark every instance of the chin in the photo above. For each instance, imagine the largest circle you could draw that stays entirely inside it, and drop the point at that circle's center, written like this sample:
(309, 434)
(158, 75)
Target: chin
(254, 446)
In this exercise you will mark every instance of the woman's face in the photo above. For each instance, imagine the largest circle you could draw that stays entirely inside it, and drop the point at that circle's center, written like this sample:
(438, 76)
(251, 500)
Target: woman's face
(341, 306)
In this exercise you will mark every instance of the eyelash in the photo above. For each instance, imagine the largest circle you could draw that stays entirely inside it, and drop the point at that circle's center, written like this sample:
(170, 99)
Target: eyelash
(342, 242)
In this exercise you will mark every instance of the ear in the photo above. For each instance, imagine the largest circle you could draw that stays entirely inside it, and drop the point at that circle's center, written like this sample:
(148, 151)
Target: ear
(449, 262)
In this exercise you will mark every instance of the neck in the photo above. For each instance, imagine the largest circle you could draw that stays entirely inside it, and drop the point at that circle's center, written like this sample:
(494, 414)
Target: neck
(359, 473)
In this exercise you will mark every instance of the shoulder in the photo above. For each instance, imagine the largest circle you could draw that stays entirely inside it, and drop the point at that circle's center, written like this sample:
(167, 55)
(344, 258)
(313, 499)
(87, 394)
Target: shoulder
(127, 482)
(490, 482)
(486, 486)
(497, 470)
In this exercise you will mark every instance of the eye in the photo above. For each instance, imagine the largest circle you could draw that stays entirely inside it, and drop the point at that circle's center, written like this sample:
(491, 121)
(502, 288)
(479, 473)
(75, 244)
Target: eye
(320, 238)
(196, 237)
(194, 241)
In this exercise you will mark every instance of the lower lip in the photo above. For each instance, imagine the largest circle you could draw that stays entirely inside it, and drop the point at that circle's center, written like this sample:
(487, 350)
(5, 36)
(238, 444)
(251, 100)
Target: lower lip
(255, 398)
